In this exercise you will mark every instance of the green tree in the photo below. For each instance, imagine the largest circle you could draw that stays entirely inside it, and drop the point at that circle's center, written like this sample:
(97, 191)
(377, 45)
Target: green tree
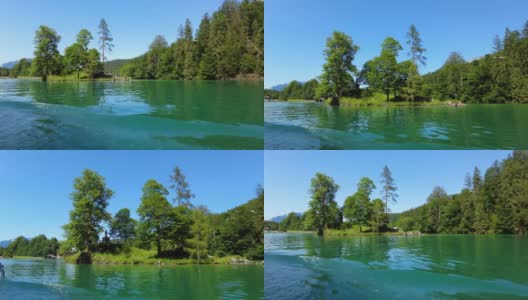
(105, 39)
(122, 225)
(388, 188)
(323, 207)
(338, 70)
(197, 244)
(413, 82)
(417, 50)
(156, 49)
(156, 217)
(379, 219)
(357, 208)
(75, 58)
(181, 186)
(46, 51)
(90, 199)
(93, 64)
(84, 37)
(382, 72)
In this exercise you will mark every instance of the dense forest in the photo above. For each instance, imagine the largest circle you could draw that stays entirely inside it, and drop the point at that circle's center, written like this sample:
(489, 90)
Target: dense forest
(175, 228)
(493, 202)
(501, 76)
(227, 44)
(39, 246)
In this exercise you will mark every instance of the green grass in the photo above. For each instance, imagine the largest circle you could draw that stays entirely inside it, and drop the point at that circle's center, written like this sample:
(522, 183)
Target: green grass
(379, 99)
(73, 77)
(147, 257)
(355, 232)
(299, 100)
(27, 257)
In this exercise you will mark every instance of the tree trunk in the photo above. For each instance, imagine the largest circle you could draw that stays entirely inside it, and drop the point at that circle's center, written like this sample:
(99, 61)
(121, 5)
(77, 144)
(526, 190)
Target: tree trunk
(360, 228)
(158, 244)
(388, 94)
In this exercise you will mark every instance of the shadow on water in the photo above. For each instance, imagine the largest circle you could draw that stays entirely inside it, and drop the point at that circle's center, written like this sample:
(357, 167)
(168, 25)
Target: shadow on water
(43, 279)
(381, 267)
(409, 127)
(131, 115)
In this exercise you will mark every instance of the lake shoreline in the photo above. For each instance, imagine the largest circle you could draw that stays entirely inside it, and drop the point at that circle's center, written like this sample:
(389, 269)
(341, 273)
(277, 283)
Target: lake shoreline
(368, 103)
(119, 259)
(123, 79)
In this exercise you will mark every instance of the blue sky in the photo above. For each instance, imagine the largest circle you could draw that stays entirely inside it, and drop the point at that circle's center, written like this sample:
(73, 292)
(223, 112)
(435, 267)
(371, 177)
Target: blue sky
(133, 24)
(35, 185)
(296, 30)
(287, 174)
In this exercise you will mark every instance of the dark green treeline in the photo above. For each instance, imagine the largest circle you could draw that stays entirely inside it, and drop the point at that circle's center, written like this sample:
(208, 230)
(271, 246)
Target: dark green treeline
(39, 246)
(494, 201)
(228, 44)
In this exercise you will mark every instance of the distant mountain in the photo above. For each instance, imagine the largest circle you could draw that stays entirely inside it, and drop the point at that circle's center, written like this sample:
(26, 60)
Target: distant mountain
(4, 244)
(278, 219)
(279, 87)
(11, 64)
(113, 66)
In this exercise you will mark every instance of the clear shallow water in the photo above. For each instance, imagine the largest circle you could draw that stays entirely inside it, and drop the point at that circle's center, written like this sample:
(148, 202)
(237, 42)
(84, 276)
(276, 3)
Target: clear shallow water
(320, 126)
(50, 280)
(304, 266)
(131, 115)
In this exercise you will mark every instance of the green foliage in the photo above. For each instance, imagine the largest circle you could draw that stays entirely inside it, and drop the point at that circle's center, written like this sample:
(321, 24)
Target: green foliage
(379, 218)
(5, 72)
(90, 199)
(197, 245)
(242, 229)
(75, 58)
(227, 44)
(292, 222)
(358, 208)
(383, 72)
(39, 246)
(156, 216)
(93, 65)
(105, 39)
(270, 225)
(21, 68)
(323, 207)
(388, 188)
(47, 57)
(499, 77)
(495, 203)
(181, 186)
(83, 38)
(122, 225)
(417, 50)
(338, 70)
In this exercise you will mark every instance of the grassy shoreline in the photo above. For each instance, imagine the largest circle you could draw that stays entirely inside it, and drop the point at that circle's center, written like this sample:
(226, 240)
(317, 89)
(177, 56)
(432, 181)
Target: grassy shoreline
(71, 78)
(378, 99)
(147, 257)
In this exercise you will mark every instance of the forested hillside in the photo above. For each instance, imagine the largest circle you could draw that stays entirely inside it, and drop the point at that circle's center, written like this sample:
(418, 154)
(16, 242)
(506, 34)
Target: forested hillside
(227, 44)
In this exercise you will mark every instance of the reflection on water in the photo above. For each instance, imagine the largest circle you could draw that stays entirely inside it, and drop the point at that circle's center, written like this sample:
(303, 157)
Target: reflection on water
(131, 115)
(381, 267)
(316, 126)
(45, 279)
